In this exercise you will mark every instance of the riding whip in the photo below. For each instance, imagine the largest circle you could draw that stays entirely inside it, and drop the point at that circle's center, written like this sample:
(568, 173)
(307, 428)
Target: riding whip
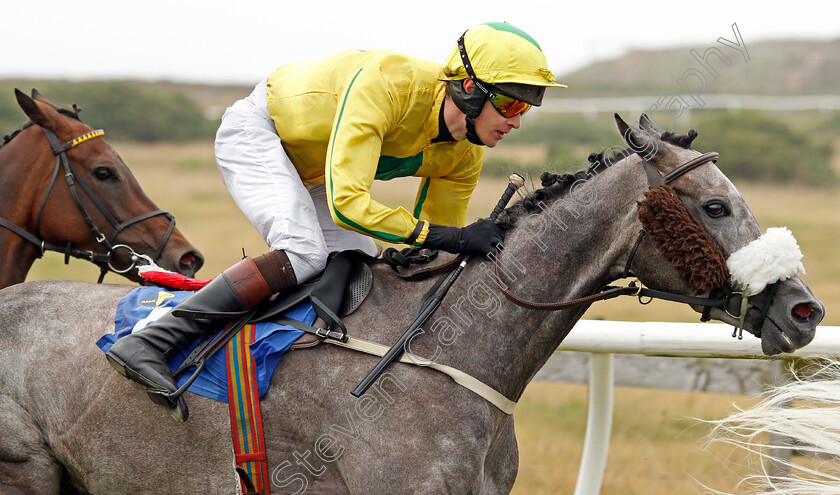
(515, 182)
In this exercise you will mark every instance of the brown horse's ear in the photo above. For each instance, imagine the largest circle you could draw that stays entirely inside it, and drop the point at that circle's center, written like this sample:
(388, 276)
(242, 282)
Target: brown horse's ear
(29, 107)
(37, 96)
(37, 112)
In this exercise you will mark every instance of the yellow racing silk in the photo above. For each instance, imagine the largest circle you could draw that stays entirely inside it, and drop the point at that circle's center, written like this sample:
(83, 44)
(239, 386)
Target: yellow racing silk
(357, 116)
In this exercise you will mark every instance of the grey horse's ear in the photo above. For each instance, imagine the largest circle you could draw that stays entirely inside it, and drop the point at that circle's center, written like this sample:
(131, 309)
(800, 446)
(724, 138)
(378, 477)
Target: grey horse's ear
(640, 142)
(647, 124)
(623, 128)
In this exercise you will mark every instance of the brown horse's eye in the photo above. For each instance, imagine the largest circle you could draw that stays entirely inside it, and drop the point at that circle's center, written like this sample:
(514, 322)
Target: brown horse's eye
(104, 173)
(716, 209)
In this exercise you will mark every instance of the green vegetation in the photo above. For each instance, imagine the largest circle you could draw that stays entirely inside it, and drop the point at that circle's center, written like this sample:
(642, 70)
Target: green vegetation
(10, 114)
(759, 147)
(780, 147)
(754, 146)
(126, 110)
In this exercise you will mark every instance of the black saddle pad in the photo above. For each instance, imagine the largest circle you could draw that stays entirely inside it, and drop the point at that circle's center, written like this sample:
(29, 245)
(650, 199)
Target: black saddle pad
(341, 288)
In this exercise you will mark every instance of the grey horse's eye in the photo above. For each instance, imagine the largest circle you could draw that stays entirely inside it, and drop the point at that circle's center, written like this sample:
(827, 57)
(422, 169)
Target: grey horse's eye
(716, 209)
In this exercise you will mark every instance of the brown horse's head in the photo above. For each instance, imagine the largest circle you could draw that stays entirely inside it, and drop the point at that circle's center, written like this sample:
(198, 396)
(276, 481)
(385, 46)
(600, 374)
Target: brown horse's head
(104, 186)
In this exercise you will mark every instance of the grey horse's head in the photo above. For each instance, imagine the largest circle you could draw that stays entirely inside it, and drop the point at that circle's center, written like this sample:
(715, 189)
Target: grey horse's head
(782, 310)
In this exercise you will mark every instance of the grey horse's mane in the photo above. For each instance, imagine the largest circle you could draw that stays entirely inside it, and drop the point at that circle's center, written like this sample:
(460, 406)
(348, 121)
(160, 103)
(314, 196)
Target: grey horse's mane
(67, 112)
(556, 185)
(677, 139)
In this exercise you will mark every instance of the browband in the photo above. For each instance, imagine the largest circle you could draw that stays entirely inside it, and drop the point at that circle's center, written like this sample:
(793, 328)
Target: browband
(690, 165)
(656, 179)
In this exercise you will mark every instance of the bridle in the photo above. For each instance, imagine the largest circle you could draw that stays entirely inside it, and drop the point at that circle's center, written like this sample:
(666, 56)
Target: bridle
(722, 297)
(104, 259)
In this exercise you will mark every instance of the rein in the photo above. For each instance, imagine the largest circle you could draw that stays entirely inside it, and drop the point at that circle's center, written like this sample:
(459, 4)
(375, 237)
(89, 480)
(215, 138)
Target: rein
(107, 243)
(635, 288)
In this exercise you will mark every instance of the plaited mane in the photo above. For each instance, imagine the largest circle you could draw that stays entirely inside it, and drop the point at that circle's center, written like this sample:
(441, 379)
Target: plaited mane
(554, 186)
(676, 233)
(677, 139)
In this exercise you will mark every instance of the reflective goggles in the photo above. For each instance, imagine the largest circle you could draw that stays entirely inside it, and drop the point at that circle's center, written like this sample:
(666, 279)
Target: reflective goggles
(506, 105)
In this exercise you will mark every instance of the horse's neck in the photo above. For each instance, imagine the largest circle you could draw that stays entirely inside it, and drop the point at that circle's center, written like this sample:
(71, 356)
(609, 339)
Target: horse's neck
(570, 250)
(17, 205)
(16, 258)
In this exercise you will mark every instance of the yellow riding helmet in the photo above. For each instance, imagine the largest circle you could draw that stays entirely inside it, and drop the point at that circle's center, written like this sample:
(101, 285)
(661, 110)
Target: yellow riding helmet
(501, 53)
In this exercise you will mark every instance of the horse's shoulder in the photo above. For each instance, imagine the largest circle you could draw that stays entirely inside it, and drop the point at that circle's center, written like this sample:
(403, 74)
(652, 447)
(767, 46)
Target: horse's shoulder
(41, 303)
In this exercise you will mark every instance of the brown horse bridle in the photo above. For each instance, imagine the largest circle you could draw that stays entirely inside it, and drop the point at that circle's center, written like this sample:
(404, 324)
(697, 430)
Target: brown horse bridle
(104, 259)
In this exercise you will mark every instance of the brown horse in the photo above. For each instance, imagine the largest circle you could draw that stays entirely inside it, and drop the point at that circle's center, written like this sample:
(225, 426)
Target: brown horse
(64, 188)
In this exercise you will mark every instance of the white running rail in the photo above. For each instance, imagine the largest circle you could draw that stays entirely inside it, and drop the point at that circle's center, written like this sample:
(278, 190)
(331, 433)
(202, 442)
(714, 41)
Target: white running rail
(654, 338)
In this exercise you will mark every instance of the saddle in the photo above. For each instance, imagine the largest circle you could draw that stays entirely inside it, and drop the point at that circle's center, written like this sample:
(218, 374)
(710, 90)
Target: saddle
(341, 289)
(335, 293)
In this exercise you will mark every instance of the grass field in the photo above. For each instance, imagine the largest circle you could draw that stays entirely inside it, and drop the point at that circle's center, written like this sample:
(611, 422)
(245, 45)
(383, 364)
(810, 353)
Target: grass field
(656, 448)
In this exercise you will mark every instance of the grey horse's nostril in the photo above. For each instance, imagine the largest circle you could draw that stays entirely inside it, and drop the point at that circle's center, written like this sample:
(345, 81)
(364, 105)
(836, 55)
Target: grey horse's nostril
(802, 311)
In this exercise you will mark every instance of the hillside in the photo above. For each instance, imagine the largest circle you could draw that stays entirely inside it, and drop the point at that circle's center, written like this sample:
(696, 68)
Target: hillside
(780, 67)
(792, 67)
(797, 141)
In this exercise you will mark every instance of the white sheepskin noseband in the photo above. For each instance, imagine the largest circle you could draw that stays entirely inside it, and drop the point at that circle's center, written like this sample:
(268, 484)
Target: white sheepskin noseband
(773, 257)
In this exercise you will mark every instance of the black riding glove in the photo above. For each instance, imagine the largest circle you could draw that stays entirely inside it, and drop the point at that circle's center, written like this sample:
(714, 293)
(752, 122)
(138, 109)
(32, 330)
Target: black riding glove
(480, 237)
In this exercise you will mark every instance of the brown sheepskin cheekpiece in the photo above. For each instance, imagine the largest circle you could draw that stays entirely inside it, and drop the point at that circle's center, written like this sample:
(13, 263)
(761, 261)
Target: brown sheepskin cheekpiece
(682, 240)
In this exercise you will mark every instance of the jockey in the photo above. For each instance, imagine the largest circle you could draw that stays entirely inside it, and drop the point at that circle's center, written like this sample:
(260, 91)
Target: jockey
(300, 153)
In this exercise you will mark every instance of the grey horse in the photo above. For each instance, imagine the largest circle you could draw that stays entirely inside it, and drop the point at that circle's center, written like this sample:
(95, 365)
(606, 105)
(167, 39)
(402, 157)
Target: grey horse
(70, 424)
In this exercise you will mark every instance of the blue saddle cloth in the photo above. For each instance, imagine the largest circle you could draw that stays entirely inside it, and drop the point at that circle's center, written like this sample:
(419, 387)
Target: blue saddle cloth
(143, 305)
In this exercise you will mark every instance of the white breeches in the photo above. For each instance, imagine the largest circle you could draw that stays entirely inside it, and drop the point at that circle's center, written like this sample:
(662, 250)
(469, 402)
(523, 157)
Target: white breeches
(289, 214)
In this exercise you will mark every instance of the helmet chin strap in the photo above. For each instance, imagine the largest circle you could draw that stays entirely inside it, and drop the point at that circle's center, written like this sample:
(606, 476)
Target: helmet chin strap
(469, 110)
(472, 136)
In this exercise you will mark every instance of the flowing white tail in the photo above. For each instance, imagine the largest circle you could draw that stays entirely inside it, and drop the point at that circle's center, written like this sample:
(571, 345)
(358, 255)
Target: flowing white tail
(803, 414)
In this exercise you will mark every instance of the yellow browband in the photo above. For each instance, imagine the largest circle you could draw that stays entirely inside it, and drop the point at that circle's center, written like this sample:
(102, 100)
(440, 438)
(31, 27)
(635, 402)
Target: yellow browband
(84, 137)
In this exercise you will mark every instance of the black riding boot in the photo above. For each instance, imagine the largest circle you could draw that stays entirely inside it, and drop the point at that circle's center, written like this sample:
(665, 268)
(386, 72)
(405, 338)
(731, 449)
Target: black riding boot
(143, 355)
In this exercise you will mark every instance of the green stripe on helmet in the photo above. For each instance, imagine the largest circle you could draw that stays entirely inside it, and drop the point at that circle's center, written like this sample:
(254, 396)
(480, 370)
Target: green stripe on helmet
(503, 26)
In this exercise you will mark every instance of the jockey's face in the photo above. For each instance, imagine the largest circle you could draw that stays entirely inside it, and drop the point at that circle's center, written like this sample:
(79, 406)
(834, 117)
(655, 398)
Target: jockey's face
(490, 125)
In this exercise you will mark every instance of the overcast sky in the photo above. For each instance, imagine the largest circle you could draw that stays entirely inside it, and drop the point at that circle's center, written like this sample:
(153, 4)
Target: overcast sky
(241, 41)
